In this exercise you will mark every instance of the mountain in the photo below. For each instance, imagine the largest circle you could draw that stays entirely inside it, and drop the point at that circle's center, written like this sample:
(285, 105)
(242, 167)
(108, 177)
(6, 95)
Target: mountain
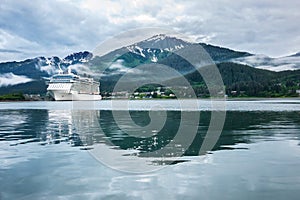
(237, 76)
(29, 76)
(150, 50)
(245, 81)
(161, 43)
(160, 49)
(236, 68)
(161, 46)
(221, 54)
(295, 55)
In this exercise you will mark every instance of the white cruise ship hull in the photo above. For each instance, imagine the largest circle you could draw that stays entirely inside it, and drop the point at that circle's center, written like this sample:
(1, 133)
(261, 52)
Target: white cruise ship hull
(71, 87)
(63, 96)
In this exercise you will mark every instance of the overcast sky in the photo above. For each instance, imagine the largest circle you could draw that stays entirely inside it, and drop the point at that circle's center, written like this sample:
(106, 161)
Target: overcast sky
(60, 27)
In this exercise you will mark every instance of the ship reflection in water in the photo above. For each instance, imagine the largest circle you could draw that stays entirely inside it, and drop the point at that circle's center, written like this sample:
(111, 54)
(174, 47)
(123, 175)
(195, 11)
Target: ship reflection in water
(88, 129)
(48, 150)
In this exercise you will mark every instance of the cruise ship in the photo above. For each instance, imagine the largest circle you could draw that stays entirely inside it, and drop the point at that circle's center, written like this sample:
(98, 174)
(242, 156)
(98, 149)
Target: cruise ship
(68, 86)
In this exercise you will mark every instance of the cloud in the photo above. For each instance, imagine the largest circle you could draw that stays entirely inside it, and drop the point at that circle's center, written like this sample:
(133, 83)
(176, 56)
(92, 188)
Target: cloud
(117, 68)
(62, 27)
(274, 64)
(50, 69)
(9, 51)
(12, 79)
(283, 67)
(82, 69)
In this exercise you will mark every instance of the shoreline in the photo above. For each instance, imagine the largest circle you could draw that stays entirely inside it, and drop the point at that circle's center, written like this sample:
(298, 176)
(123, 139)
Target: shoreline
(259, 98)
(163, 99)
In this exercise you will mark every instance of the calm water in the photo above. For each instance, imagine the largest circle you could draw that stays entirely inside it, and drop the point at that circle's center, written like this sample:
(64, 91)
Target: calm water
(67, 150)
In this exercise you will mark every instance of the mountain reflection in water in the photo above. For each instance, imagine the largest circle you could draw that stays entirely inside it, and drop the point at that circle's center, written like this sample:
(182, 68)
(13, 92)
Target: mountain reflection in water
(86, 128)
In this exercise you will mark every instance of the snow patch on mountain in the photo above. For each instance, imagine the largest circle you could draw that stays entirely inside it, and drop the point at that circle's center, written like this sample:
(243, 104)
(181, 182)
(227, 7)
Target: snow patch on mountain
(157, 38)
(51, 65)
(140, 51)
(177, 47)
(48, 65)
(154, 59)
(9, 79)
(80, 57)
(149, 47)
(136, 50)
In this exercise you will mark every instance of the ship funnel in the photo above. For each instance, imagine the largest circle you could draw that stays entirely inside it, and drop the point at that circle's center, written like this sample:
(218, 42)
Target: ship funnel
(60, 71)
(69, 70)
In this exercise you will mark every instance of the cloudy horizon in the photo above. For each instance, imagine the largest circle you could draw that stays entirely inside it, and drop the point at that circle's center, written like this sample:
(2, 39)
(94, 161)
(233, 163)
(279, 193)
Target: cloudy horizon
(62, 27)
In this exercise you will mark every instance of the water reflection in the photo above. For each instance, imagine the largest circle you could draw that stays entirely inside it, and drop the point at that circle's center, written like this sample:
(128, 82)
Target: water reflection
(87, 128)
(22, 126)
